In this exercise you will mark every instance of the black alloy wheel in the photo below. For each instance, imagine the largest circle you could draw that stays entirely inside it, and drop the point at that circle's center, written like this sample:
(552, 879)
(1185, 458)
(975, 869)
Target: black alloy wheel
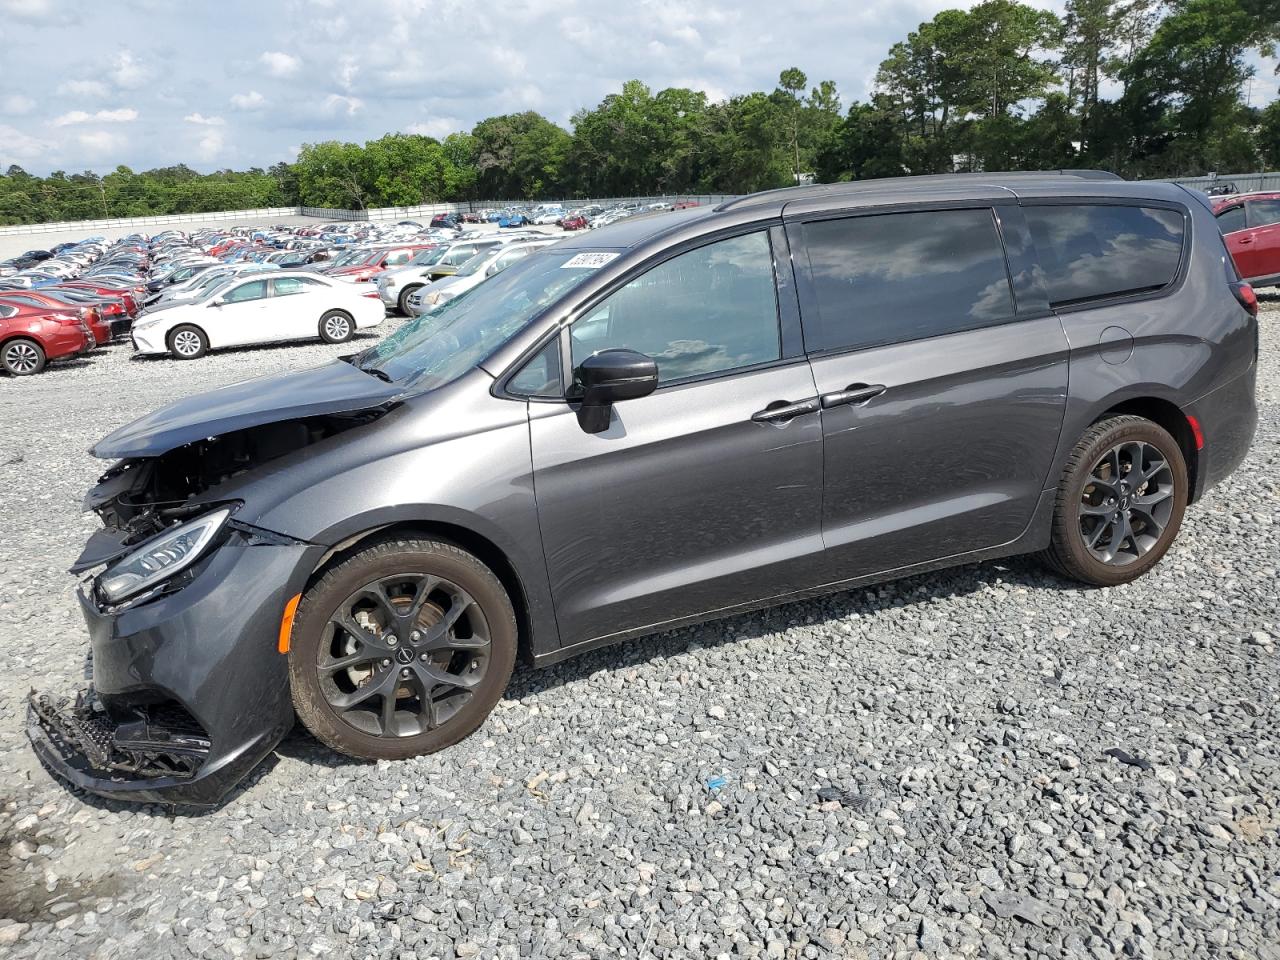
(402, 649)
(1120, 502)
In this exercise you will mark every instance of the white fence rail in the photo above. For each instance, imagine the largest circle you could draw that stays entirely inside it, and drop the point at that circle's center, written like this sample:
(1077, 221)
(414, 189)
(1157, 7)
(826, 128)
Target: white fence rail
(172, 219)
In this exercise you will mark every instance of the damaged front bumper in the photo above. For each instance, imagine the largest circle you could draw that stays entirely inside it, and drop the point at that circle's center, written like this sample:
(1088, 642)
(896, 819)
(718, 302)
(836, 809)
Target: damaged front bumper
(189, 690)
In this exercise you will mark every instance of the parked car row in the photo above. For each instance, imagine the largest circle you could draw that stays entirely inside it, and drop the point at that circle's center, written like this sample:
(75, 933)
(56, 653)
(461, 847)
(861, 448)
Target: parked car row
(66, 302)
(186, 294)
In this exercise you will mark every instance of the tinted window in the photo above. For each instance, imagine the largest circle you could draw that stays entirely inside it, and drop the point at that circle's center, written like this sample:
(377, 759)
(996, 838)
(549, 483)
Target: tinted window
(705, 311)
(1093, 251)
(540, 377)
(904, 276)
(1263, 212)
(1231, 220)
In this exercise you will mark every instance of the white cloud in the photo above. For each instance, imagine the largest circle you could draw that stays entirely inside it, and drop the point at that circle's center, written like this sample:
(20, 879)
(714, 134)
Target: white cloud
(101, 143)
(16, 146)
(32, 11)
(201, 120)
(248, 101)
(280, 64)
(347, 72)
(336, 101)
(439, 127)
(123, 115)
(210, 145)
(88, 89)
(15, 104)
(128, 72)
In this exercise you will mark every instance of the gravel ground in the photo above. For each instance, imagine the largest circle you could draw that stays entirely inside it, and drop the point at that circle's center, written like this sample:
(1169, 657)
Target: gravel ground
(916, 769)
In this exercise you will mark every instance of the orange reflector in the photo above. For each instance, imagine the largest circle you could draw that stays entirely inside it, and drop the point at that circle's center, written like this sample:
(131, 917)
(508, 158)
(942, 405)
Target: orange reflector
(1196, 432)
(286, 624)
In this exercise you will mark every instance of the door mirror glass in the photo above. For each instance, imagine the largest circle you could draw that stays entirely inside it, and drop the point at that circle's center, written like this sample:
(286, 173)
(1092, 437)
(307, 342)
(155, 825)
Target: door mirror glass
(608, 377)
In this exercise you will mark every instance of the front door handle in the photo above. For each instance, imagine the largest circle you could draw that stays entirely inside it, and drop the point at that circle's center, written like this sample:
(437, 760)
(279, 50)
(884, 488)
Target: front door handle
(782, 410)
(1245, 239)
(853, 394)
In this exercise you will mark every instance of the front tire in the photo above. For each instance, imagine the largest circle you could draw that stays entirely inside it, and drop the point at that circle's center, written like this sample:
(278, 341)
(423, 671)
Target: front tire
(188, 342)
(336, 326)
(22, 357)
(1120, 502)
(401, 650)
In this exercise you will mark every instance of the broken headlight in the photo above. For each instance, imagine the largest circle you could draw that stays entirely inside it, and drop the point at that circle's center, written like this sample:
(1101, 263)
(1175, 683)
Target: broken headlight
(162, 557)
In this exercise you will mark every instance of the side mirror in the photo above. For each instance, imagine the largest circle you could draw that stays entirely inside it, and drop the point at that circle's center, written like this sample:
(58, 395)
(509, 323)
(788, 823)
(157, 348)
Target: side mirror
(608, 377)
(217, 303)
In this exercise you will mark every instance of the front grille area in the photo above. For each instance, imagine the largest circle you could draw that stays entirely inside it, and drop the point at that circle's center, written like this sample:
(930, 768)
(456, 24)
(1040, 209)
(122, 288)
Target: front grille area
(153, 741)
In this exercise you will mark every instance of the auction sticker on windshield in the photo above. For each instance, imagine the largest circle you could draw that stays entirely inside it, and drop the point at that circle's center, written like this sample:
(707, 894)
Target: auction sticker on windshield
(587, 261)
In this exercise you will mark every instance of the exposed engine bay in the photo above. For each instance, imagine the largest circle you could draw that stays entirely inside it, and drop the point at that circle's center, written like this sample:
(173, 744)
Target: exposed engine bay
(138, 498)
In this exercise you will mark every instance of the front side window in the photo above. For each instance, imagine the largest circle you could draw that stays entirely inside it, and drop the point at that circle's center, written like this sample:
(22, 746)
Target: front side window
(1263, 213)
(1097, 251)
(1231, 219)
(247, 291)
(707, 311)
(397, 258)
(891, 278)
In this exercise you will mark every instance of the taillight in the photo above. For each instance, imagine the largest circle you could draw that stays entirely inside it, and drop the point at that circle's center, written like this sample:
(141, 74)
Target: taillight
(1247, 297)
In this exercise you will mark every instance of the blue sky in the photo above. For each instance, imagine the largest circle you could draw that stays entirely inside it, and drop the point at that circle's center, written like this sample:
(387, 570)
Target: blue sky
(235, 84)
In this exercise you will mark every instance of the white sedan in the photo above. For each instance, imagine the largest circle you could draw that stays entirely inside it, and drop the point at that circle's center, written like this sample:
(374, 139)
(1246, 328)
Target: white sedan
(259, 309)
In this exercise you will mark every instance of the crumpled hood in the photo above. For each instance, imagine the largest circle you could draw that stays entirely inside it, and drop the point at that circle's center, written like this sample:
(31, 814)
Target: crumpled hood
(336, 387)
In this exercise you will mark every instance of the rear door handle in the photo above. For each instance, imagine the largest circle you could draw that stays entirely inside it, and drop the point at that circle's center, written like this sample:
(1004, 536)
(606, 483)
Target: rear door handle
(781, 410)
(855, 393)
(1245, 239)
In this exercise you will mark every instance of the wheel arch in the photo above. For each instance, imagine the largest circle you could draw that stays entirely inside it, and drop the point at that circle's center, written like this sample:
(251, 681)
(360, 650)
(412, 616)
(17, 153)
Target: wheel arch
(482, 547)
(1169, 416)
(168, 334)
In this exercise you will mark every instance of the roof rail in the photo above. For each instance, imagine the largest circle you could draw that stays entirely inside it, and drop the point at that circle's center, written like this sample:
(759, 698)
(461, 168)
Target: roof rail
(820, 189)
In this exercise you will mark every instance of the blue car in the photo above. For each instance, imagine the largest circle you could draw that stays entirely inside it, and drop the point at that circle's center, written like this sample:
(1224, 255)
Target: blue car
(513, 220)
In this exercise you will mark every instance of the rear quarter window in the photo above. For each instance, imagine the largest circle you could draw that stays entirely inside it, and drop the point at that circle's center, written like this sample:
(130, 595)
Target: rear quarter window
(1098, 251)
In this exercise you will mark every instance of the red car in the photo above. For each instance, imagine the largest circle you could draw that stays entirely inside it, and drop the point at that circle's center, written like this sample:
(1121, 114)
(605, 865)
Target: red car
(128, 295)
(1250, 224)
(377, 261)
(575, 221)
(98, 324)
(30, 338)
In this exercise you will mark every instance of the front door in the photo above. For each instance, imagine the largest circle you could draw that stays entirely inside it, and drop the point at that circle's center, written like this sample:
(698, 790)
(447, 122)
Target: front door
(685, 504)
(941, 409)
(241, 316)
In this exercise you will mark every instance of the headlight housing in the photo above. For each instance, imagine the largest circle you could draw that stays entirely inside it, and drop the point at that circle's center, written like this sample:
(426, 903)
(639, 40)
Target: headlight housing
(161, 557)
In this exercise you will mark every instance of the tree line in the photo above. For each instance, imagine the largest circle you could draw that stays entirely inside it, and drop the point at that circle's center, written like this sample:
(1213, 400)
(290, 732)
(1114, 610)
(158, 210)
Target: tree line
(1140, 87)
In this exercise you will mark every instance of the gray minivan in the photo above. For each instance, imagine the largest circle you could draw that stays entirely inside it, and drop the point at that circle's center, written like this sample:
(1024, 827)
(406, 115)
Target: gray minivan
(675, 418)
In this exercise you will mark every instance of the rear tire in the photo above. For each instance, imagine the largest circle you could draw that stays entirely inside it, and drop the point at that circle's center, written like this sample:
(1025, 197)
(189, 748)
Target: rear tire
(336, 326)
(22, 357)
(401, 650)
(1120, 502)
(187, 342)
